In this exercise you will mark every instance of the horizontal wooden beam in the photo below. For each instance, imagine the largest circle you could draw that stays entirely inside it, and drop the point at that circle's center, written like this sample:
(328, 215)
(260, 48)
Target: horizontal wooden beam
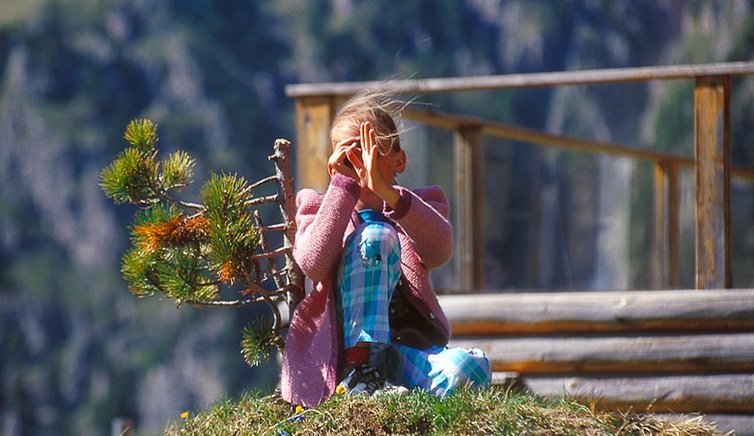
(513, 133)
(728, 393)
(574, 312)
(656, 354)
(528, 80)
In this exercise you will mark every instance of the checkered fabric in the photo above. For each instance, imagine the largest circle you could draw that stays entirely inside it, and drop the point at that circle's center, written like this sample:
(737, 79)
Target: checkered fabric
(367, 277)
(368, 274)
(439, 370)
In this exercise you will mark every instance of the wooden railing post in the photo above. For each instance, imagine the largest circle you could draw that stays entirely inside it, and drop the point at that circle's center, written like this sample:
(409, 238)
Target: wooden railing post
(667, 251)
(712, 138)
(674, 226)
(313, 118)
(469, 171)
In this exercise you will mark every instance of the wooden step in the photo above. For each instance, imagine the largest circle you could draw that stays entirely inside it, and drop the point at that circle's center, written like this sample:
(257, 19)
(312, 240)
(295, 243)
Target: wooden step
(721, 394)
(627, 354)
(591, 312)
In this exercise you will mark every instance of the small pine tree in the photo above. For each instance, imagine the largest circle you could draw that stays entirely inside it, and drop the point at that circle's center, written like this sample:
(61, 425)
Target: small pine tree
(196, 253)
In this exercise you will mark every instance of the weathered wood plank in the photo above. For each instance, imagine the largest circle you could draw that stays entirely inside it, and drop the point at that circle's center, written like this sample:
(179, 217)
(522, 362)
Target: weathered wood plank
(666, 262)
(728, 393)
(514, 133)
(512, 81)
(667, 354)
(468, 151)
(712, 155)
(498, 129)
(660, 249)
(573, 312)
(506, 131)
(674, 226)
(313, 118)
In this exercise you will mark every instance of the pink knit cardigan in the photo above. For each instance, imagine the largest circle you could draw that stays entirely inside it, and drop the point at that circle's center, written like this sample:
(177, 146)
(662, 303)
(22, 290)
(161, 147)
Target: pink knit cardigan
(312, 352)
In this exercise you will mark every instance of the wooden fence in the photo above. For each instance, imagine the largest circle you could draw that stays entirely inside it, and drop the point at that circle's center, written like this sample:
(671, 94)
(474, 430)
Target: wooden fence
(676, 351)
(316, 105)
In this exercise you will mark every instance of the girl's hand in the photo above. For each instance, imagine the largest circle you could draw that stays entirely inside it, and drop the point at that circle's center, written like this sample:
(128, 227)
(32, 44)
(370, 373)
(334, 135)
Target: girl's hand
(369, 172)
(339, 162)
(367, 165)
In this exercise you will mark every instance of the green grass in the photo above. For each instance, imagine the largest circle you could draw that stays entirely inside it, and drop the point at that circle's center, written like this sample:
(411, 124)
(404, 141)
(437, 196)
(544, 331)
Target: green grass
(469, 412)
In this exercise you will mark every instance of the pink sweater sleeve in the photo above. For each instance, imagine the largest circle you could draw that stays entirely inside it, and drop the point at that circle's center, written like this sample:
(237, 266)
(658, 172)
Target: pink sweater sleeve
(423, 215)
(322, 221)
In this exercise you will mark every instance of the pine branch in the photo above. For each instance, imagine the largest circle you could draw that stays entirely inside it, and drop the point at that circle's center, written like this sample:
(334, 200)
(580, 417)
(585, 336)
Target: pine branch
(258, 339)
(262, 200)
(142, 134)
(192, 251)
(228, 303)
(130, 178)
(261, 182)
(163, 195)
(177, 170)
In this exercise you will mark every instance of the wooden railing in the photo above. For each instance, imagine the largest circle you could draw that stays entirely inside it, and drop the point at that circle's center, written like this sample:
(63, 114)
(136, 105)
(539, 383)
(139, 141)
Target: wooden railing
(316, 105)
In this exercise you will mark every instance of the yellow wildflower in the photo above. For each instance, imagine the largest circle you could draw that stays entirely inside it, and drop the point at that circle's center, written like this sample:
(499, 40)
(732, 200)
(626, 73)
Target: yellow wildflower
(340, 390)
(185, 414)
(299, 409)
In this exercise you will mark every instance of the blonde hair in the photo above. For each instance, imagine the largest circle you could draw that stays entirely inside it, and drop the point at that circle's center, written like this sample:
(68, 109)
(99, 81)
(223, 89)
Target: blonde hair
(377, 107)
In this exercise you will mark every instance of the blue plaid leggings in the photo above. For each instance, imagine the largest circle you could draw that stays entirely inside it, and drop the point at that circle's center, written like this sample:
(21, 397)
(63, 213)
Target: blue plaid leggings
(367, 276)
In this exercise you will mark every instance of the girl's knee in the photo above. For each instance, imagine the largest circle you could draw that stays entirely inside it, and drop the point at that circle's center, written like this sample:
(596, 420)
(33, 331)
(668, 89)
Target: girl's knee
(472, 368)
(377, 243)
(378, 233)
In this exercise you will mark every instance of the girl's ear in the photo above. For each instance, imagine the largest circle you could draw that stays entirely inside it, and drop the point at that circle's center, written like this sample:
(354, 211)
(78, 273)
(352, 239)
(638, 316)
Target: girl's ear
(399, 164)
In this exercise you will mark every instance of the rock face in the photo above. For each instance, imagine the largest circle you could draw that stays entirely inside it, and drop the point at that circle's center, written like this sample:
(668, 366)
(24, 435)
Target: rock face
(77, 350)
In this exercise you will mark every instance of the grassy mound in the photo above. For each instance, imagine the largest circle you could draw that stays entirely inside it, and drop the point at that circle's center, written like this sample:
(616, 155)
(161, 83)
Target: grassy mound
(469, 412)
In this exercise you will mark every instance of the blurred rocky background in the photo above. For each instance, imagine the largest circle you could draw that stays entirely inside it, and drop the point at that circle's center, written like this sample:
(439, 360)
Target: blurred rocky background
(77, 350)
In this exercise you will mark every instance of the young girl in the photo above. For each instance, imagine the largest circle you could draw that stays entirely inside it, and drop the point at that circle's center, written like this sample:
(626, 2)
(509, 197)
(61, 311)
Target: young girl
(372, 322)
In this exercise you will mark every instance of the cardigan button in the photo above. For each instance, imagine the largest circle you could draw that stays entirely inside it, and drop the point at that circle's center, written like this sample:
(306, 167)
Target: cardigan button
(431, 315)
